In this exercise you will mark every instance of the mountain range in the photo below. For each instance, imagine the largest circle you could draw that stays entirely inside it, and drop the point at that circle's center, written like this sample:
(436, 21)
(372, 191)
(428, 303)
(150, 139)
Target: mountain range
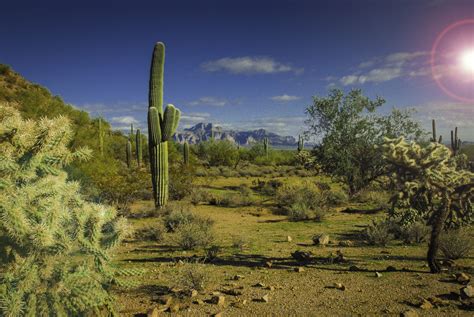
(203, 131)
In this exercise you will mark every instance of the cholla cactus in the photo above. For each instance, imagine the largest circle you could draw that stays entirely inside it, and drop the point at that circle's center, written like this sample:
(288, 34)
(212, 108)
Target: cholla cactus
(429, 186)
(54, 251)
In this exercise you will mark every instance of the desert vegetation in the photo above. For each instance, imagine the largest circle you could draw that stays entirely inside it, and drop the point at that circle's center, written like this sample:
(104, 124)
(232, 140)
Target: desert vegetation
(99, 222)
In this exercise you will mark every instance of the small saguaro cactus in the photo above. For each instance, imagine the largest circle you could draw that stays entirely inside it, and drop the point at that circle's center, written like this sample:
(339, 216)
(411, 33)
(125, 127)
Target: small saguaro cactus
(433, 128)
(101, 137)
(128, 153)
(161, 127)
(455, 141)
(186, 153)
(265, 145)
(138, 147)
(131, 131)
(300, 143)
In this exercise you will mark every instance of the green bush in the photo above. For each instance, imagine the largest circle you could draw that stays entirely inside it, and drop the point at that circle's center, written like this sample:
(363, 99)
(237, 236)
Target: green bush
(151, 232)
(378, 233)
(416, 232)
(194, 234)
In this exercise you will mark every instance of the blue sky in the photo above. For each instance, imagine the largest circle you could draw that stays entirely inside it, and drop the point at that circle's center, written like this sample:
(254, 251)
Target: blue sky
(242, 64)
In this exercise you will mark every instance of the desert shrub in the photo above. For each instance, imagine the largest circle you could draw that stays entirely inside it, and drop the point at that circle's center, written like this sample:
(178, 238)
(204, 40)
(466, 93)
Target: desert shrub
(456, 244)
(417, 232)
(218, 153)
(212, 252)
(54, 254)
(198, 195)
(193, 235)
(245, 198)
(307, 193)
(193, 276)
(378, 233)
(151, 232)
(180, 214)
(372, 197)
(239, 243)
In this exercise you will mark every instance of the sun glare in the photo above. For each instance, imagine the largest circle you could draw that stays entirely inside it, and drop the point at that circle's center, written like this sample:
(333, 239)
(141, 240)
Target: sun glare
(467, 60)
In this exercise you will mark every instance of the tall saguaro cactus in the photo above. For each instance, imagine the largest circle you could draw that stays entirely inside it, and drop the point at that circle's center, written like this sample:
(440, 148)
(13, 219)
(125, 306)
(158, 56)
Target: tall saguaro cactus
(265, 145)
(434, 138)
(138, 147)
(101, 138)
(455, 141)
(161, 127)
(300, 143)
(186, 153)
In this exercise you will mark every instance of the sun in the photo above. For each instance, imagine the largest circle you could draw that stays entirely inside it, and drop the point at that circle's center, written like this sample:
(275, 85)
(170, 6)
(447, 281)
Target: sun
(467, 60)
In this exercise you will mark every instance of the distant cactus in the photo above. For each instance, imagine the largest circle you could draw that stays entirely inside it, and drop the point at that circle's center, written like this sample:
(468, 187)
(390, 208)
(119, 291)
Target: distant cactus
(433, 128)
(212, 133)
(138, 147)
(300, 143)
(266, 145)
(128, 152)
(455, 142)
(101, 138)
(161, 127)
(131, 132)
(186, 153)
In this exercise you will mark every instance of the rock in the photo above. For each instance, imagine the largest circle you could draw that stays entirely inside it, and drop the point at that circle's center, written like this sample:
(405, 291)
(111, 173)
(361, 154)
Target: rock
(154, 312)
(270, 288)
(467, 292)
(425, 304)
(268, 264)
(289, 239)
(462, 278)
(218, 300)
(377, 274)
(321, 239)
(265, 298)
(238, 277)
(259, 284)
(240, 304)
(339, 286)
(199, 302)
(346, 243)
(232, 292)
(174, 308)
(193, 293)
(302, 256)
(391, 268)
(409, 313)
(354, 268)
(299, 269)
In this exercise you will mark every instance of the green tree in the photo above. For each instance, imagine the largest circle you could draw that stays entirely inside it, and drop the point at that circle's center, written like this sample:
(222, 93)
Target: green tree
(429, 186)
(54, 250)
(351, 135)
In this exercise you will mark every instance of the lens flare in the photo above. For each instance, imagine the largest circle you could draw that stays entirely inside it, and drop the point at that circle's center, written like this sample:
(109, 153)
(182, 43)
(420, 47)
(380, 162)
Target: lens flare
(467, 60)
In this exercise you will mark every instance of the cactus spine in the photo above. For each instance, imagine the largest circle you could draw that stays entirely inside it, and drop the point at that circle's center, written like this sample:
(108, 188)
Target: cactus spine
(101, 138)
(138, 147)
(455, 141)
(161, 127)
(265, 145)
(128, 153)
(186, 153)
(300, 143)
(433, 128)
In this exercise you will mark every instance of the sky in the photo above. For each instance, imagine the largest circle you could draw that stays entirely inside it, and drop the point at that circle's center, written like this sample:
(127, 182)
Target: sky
(247, 64)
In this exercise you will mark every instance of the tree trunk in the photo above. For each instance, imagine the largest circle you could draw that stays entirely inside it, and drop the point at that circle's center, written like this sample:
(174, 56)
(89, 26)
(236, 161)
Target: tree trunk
(436, 229)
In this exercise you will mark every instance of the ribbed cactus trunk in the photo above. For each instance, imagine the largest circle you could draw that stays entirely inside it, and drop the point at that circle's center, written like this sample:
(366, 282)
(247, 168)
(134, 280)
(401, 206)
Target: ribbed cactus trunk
(161, 127)
(138, 147)
(128, 152)
(186, 153)
(433, 128)
(101, 138)
(455, 142)
(265, 145)
(300, 143)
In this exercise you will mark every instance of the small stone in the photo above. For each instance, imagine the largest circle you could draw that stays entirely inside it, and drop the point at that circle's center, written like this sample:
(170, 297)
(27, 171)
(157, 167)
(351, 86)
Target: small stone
(174, 308)
(193, 293)
(218, 300)
(346, 243)
(289, 239)
(176, 290)
(238, 277)
(409, 313)
(463, 278)
(377, 274)
(240, 304)
(339, 286)
(265, 298)
(299, 269)
(199, 302)
(354, 268)
(154, 312)
(232, 292)
(467, 292)
(426, 305)
(270, 288)
(215, 293)
(321, 239)
(259, 284)
(302, 256)
(268, 264)
(391, 268)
